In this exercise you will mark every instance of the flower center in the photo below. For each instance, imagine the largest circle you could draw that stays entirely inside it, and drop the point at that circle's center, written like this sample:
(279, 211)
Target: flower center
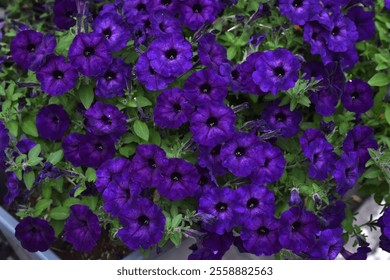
(107, 32)
(162, 27)
(106, 120)
(203, 181)
(262, 231)
(296, 226)
(88, 51)
(266, 162)
(355, 95)
(99, 147)
(166, 2)
(235, 74)
(152, 163)
(297, 3)
(176, 176)
(221, 207)
(110, 75)
(55, 119)
(279, 72)
(69, 14)
(151, 70)
(177, 107)
(239, 152)
(147, 24)
(31, 47)
(143, 220)
(171, 54)
(197, 8)
(280, 117)
(336, 31)
(205, 88)
(58, 74)
(212, 121)
(216, 150)
(141, 7)
(252, 203)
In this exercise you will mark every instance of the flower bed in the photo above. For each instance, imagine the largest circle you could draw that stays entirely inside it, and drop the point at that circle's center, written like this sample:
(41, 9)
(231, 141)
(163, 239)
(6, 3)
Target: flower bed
(235, 123)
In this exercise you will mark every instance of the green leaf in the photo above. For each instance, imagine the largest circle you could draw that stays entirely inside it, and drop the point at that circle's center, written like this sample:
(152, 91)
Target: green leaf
(387, 114)
(46, 191)
(90, 174)
(379, 80)
(71, 201)
(59, 213)
(13, 128)
(58, 226)
(29, 127)
(143, 101)
(42, 205)
(34, 152)
(232, 52)
(55, 157)
(86, 95)
(35, 161)
(177, 220)
(155, 137)
(176, 238)
(141, 130)
(79, 190)
(64, 42)
(28, 179)
(372, 172)
(90, 201)
(127, 150)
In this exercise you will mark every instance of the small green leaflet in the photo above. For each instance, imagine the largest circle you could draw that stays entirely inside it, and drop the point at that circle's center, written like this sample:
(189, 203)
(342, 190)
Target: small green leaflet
(86, 95)
(141, 130)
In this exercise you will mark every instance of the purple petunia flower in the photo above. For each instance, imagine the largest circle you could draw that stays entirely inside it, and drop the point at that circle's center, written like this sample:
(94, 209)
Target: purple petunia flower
(171, 6)
(136, 10)
(334, 214)
(261, 236)
(239, 154)
(24, 47)
(359, 140)
(82, 228)
(308, 136)
(328, 245)
(163, 22)
(212, 124)
(114, 29)
(148, 164)
(254, 200)
(295, 198)
(206, 180)
(219, 203)
(276, 70)
(210, 157)
(169, 111)
(298, 230)
(4, 140)
(170, 55)
(211, 53)
(343, 34)
(57, 76)
(281, 118)
(364, 21)
(299, 11)
(52, 121)
(245, 72)
(24, 146)
(205, 86)
(357, 96)
(322, 158)
(213, 247)
(119, 195)
(111, 171)
(346, 172)
(14, 186)
(385, 223)
(148, 76)
(94, 150)
(35, 234)
(360, 254)
(105, 119)
(89, 53)
(65, 12)
(71, 145)
(194, 13)
(144, 225)
(270, 164)
(180, 180)
(114, 81)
